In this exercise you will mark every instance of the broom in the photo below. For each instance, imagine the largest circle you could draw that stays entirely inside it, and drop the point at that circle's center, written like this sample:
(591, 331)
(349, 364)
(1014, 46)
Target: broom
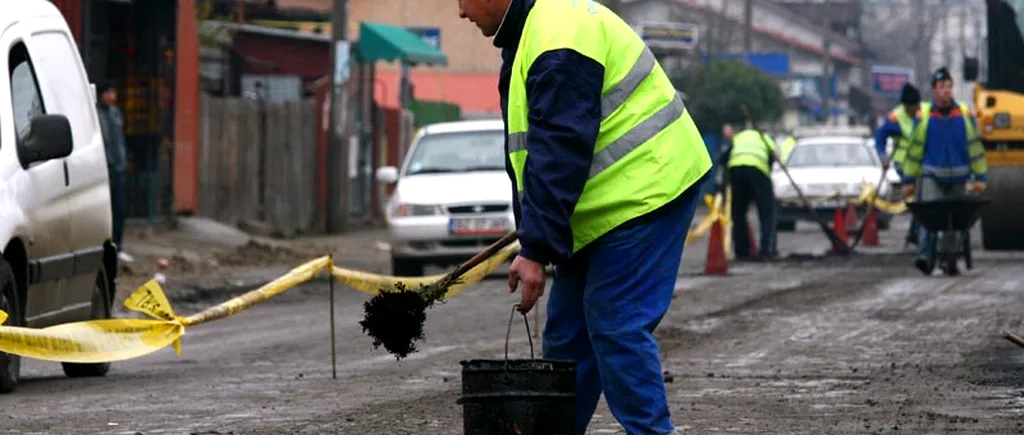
(394, 319)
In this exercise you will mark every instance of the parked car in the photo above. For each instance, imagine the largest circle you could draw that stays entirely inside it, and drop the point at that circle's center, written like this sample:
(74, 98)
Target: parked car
(452, 196)
(58, 263)
(830, 170)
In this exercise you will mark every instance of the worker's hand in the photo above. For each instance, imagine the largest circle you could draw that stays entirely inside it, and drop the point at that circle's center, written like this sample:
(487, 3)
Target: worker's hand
(885, 165)
(976, 186)
(908, 190)
(531, 274)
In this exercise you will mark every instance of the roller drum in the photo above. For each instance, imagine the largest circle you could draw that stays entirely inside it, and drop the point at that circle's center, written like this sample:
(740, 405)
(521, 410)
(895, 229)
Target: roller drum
(1002, 222)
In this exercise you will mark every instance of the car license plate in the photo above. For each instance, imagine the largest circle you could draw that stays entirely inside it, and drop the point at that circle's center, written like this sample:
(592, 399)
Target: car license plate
(832, 203)
(478, 226)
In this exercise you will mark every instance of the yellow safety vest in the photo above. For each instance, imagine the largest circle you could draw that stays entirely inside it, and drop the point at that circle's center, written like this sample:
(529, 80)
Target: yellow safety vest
(900, 144)
(749, 150)
(787, 147)
(913, 164)
(648, 150)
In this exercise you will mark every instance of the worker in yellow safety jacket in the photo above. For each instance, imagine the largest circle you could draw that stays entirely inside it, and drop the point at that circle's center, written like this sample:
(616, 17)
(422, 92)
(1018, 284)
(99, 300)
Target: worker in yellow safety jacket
(749, 163)
(898, 125)
(606, 167)
(786, 147)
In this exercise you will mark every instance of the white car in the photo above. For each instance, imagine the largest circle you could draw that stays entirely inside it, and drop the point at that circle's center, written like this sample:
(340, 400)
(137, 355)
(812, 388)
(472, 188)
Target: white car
(830, 170)
(452, 195)
(58, 263)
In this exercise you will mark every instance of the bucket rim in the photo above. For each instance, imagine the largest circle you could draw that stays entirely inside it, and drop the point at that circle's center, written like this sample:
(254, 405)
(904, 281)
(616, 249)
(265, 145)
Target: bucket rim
(502, 361)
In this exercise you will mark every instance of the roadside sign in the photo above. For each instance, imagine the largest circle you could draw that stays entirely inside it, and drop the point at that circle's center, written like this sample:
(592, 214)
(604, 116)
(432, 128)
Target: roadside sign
(889, 79)
(430, 35)
(670, 36)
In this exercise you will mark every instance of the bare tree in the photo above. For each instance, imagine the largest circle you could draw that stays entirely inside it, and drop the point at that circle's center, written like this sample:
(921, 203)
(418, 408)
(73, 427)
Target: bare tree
(902, 32)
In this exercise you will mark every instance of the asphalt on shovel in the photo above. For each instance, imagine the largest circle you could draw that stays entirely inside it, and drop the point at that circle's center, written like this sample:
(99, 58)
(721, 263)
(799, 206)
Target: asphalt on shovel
(394, 319)
(841, 247)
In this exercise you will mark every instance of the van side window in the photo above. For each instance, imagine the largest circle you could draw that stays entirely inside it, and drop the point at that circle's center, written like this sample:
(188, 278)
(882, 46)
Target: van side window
(26, 100)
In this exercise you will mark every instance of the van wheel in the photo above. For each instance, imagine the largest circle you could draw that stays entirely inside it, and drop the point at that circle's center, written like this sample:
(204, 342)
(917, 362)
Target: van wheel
(10, 365)
(100, 310)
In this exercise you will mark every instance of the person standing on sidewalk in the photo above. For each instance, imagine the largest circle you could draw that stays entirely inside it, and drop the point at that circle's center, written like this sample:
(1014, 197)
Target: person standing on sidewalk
(607, 167)
(112, 126)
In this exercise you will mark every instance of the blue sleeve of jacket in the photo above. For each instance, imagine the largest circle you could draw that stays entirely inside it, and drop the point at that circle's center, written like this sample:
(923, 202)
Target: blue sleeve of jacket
(563, 91)
(889, 128)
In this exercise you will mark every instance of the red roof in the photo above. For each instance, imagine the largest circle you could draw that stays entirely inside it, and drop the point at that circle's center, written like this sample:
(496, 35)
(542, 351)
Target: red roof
(473, 92)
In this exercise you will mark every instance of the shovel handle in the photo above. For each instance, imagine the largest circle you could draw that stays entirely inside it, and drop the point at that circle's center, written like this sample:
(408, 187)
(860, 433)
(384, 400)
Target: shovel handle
(488, 252)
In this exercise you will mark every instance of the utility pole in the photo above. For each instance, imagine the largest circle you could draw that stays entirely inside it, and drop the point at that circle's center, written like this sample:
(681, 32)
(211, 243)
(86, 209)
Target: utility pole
(748, 27)
(337, 151)
(826, 66)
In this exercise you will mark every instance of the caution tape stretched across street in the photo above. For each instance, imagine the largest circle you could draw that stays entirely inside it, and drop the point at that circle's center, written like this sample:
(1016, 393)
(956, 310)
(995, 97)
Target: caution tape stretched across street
(110, 340)
(718, 210)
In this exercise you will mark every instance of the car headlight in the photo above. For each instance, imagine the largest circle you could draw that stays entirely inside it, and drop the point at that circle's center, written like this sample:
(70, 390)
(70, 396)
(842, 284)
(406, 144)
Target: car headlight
(404, 210)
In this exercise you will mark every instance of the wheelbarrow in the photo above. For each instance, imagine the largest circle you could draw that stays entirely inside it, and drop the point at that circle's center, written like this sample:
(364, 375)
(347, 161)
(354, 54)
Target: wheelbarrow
(949, 221)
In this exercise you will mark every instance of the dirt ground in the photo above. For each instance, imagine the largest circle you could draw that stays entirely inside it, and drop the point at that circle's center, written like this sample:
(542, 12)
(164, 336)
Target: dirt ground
(838, 346)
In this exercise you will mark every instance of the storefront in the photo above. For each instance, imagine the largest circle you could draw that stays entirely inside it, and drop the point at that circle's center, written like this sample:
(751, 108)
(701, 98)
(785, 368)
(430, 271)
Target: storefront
(148, 50)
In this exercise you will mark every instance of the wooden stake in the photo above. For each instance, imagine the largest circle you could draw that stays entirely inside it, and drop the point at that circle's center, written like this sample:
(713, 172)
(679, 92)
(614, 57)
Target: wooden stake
(334, 349)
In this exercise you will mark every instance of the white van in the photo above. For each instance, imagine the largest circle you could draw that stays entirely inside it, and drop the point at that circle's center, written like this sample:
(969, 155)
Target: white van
(58, 262)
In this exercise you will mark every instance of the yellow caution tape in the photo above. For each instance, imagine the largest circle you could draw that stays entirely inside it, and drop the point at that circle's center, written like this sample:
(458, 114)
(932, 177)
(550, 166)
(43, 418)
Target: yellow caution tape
(868, 192)
(110, 340)
(372, 283)
(716, 212)
(291, 279)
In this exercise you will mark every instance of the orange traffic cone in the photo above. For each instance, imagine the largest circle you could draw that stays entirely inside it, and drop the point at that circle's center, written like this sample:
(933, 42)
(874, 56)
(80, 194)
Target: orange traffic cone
(851, 218)
(753, 241)
(716, 264)
(870, 237)
(839, 226)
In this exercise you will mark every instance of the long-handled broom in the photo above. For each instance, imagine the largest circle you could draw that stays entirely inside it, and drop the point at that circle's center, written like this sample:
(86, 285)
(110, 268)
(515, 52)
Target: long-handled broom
(394, 319)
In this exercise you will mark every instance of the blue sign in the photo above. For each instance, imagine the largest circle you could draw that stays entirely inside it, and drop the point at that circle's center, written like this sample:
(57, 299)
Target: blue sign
(672, 36)
(888, 79)
(774, 64)
(430, 35)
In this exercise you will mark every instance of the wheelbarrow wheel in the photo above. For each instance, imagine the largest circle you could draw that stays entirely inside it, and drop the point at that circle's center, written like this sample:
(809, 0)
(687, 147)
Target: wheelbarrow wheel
(949, 267)
(968, 258)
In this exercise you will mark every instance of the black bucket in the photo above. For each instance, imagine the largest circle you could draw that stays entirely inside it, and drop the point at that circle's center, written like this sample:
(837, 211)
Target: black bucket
(957, 213)
(518, 396)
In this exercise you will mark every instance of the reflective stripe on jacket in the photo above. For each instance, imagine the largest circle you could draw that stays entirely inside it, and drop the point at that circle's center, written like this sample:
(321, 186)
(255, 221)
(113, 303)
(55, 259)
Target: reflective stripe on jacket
(945, 147)
(647, 151)
(749, 150)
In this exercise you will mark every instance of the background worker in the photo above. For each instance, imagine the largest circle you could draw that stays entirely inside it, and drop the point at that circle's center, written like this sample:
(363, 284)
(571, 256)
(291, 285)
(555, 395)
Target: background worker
(606, 185)
(945, 156)
(749, 164)
(112, 127)
(899, 125)
(786, 147)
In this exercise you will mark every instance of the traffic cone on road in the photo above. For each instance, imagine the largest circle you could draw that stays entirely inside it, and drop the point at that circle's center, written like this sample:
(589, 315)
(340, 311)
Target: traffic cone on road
(870, 237)
(851, 218)
(839, 226)
(753, 242)
(716, 264)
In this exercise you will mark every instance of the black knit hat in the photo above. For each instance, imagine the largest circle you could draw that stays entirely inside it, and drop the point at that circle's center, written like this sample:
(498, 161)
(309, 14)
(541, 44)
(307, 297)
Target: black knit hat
(941, 74)
(909, 95)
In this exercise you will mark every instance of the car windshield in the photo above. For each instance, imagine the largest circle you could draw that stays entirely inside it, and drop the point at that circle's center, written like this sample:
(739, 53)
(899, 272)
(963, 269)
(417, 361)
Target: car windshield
(458, 152)
(832, 154)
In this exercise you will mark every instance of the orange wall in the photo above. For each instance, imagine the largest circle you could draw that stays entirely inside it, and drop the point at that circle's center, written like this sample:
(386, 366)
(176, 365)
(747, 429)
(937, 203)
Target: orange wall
(474, 92)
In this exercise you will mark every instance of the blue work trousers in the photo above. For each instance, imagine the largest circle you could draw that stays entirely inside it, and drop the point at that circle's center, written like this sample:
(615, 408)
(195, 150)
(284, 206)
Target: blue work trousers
(602, 310)
(914, 227)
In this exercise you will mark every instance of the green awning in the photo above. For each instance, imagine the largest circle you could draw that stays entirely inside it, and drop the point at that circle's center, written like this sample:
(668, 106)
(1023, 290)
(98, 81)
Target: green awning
(389, 43)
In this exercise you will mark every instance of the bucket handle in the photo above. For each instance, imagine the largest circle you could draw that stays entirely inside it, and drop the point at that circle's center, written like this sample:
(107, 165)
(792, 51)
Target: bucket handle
(508, 333)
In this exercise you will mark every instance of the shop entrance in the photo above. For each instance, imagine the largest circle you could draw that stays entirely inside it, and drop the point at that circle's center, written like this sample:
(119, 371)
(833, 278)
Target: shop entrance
(130, 44)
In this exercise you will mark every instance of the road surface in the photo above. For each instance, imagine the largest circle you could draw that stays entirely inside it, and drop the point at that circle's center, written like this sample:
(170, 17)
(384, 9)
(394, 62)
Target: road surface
(847, 346)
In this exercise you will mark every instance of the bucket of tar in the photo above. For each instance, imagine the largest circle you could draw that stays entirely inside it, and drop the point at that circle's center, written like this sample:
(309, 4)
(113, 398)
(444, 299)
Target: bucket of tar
(518, 396)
